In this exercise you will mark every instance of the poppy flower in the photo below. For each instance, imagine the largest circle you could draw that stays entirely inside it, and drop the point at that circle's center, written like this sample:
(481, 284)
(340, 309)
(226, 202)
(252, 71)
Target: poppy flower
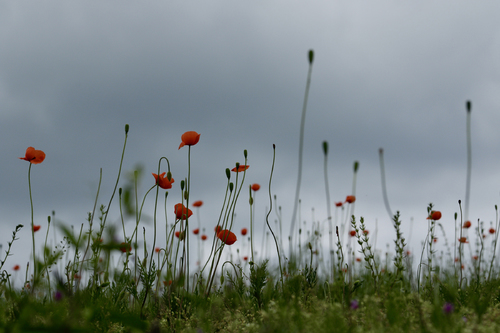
(255, 187)
(463, 240)
(163, 181)
(339, 204)
(467, 225)
(16, 268)
(33, 156)
(180, 235)
(492, 231)
(244, 231)
(240, 168)
(475, 257)
(435, 240)
(227, 237)
(157, 250)
(358, 259)
(434, 215)
(366, 232)
(350, 199)
(196, 231)
(198, 203)
(352, 233)
(217, 229)
(204, 237)
(181, 211)
(123, 248)
(245, 258)
(189, 138)
(36, 228)
(167, 283)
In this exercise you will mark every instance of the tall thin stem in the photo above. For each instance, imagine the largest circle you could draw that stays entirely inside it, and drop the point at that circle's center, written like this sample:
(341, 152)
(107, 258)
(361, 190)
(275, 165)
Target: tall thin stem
(468, 106)
(301, 144)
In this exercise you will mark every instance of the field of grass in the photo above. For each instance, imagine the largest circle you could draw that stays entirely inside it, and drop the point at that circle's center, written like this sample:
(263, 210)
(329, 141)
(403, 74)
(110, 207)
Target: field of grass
(349, 287)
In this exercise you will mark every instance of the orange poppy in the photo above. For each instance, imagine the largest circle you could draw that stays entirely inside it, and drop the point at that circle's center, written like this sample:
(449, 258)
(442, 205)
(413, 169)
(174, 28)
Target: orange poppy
(189, 138)
(255, 187)
(33, 156)
(36, 228)
(181, 211)
(204, 237)
(16, 268)
(492, 231)
(435, 215)
(463, 240)
(123, 248)
(240, 168)
(350, 199)
(163, 181)
(196, 231)
(227, 237)
(352, 233)
(339, 204)
(467, 225)
(198, 203)
(244, 231)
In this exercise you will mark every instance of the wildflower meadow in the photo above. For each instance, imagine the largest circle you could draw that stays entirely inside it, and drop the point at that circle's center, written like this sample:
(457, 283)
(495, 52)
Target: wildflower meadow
(108, 277)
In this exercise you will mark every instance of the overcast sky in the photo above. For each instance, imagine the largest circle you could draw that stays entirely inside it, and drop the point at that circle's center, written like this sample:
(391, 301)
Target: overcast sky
(386, 74)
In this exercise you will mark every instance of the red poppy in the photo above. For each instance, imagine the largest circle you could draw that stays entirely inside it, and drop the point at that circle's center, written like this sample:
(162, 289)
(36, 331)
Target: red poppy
(198, 203)
(244, 231)
(167, 283)
(163, 181)
(463, 240)
(475, 257)
(358, 259)
(435, 239)
(350, 199)
(240, 168)
(467, 225)
(255, 187)
(189, 138)
(33, 156)
(217, 229)
(492, 231)
(352, 233)
(196, 231)
(434, 215)
(36, 228)
(227, 237)
(157, 250)
(123, 248)
(366, 232)
(456, 259)
(408, 253)
(180, 235)
(16, 268)
(245, 258)
(339, 204)
(181, 211)
(204, 237)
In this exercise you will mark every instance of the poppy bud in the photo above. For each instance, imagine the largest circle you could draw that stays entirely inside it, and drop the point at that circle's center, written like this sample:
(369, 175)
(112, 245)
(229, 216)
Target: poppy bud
(468, 105)
(356, 166)
(182, 185)
(245, 153)
(325, 147)
(231, 186)
(228, 173)
(311, 56)
(126, 128)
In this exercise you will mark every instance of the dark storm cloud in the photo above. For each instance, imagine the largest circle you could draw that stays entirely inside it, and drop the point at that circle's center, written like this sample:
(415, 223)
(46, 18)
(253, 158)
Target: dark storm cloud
(385, 74)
